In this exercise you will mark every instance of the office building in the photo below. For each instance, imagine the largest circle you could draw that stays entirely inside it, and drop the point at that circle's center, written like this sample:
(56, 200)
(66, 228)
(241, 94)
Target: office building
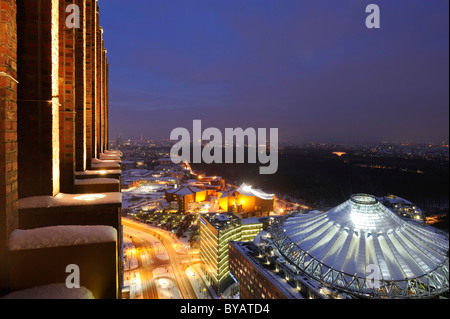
(216, 230)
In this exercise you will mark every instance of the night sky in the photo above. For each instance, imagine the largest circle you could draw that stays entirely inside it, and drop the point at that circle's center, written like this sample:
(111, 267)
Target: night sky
(308, 67)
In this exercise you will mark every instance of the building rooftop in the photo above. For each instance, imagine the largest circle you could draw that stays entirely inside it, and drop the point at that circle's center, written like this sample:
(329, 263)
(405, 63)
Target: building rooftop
(247, 190)
(185, 190)
(221, 221)
(338, 246)
(249, 250)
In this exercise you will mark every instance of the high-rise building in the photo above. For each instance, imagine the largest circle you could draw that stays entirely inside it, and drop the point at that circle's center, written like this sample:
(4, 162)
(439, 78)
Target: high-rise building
(59, 202)
(216, 230)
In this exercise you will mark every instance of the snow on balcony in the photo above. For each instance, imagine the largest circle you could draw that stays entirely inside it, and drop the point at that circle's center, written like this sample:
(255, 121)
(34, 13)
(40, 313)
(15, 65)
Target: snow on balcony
(49, 292)
(62, 200)
(96, 181)
(60, 236)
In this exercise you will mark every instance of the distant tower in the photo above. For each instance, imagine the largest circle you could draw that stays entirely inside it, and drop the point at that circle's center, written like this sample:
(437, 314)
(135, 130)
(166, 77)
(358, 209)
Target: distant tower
(119, 140)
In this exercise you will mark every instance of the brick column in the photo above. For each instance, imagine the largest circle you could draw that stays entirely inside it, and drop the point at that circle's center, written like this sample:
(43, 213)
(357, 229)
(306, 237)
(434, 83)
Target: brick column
(107, 106)
(95, 111)
(38, 103)
(90, 79)
(80, 84)
(8, 133)
(67, 99)
(98, 106)
(104, 141)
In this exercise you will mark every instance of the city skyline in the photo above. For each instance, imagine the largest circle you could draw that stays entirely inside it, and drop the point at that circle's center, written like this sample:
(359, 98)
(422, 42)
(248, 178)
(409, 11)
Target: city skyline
(313, 70)
(89, 211)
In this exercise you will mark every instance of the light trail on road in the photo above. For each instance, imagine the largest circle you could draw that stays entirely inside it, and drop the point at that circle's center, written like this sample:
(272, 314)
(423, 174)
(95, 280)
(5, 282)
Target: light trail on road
(148, 259)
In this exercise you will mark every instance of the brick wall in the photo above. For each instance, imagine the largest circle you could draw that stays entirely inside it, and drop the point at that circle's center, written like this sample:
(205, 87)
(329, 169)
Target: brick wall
(92, 42)
(104, 141)
(8, 131)
(80, 57)
(98, 106)
(38, 102)
(90, 78)
(107, 106)
(66, 99)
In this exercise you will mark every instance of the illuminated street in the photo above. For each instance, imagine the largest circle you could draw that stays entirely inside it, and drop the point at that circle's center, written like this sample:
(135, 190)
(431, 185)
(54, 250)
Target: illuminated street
(163, 265)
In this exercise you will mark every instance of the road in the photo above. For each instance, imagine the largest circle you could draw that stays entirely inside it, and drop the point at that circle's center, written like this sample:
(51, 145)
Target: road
(151, 257)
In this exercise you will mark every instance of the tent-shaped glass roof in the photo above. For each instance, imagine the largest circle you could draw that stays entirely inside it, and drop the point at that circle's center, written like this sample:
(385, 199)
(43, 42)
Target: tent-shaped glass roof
(346, 245)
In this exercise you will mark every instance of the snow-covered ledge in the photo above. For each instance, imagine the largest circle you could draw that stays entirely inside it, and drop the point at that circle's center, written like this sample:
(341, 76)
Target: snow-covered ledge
(96, 185)
(111, 156)
(104, 165)
(51, 292)
(62, 200)
(99, 173)
(115, 152)
(105, 161)
(71, 209)
(42, 256)
(60, 236)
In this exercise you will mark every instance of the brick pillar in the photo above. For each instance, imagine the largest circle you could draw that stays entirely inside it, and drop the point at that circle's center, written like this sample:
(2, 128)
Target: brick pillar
(38, 103)
(107, 106)
(104, 142)
(8, 133)
(98, 106)
(94, 83)
(90, 79)
(80, 84)
(67, 99)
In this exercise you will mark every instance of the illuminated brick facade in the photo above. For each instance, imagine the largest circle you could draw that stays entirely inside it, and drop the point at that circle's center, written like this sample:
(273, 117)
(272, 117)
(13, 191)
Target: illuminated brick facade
(53, 125)
(80, 90)
(38, 97)
(67, 98)
(8, 131)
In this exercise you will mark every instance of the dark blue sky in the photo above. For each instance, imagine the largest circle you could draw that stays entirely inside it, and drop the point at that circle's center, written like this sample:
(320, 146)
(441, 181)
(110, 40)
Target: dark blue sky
(308, 67)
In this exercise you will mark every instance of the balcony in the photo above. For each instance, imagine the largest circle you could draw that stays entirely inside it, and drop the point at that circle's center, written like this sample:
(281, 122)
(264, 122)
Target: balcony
(40, 257)
(96, 185)
(70, 209)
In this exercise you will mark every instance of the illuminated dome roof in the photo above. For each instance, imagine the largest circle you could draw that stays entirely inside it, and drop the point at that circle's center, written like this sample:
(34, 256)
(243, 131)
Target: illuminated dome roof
(343, 246)
(247, 190)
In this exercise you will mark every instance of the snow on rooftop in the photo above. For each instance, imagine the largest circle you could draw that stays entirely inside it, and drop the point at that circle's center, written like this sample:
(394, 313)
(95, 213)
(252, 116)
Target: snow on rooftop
(251, 220)
(185, 190)
(222, 217)
(223, 195)
(247, 190)
(60, 236)
(53, 291)
(397, 200)
(62, 200)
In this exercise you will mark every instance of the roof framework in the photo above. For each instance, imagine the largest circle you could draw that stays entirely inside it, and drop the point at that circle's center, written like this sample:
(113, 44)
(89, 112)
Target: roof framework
(343, 248)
